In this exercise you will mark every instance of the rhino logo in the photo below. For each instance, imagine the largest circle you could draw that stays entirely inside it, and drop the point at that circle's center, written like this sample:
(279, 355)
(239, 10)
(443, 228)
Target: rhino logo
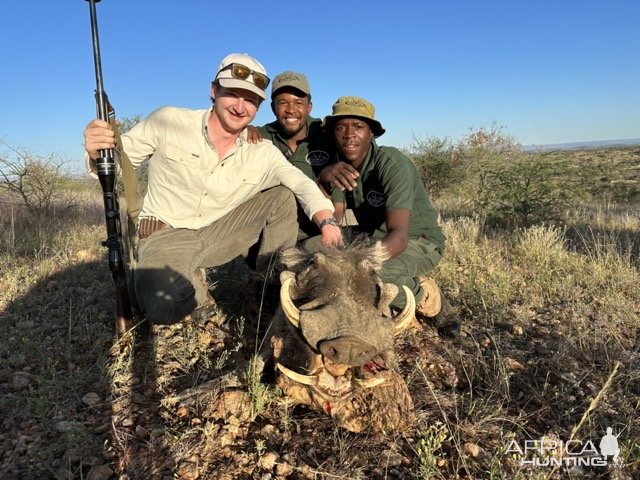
(375, 199)
(609, 445)
(317, 158)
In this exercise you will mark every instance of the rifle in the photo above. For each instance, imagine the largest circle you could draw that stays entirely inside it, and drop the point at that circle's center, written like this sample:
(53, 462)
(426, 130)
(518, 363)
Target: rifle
(107, 170)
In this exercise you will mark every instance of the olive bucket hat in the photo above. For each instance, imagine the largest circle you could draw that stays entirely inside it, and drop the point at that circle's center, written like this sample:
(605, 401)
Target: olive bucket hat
(355, 107)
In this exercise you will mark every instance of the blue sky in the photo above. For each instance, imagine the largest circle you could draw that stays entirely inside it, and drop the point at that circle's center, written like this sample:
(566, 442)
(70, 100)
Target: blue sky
(547, 71)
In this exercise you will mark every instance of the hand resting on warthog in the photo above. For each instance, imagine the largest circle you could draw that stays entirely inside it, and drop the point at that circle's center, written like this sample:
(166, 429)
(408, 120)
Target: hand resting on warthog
(331, 341)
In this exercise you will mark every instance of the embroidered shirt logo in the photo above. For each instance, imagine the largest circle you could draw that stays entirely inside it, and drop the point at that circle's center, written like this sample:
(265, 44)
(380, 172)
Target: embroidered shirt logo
(317, 158)
(375, 199)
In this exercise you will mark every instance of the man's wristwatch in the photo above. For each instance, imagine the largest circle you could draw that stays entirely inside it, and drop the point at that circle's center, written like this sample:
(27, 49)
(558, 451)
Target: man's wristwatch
(328, 221)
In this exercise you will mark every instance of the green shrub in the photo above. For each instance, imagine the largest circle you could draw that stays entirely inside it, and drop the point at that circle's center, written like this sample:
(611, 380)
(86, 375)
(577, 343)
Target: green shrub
(511, 187)
(525, 189)
(436, 163)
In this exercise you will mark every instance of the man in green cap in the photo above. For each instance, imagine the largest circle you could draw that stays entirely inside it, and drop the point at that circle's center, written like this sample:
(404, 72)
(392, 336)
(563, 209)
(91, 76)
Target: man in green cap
(300, 137)
(390, 204)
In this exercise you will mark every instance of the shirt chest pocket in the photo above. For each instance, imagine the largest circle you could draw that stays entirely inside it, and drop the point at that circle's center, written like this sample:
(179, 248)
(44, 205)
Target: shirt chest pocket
(177, 156)
(244, 177)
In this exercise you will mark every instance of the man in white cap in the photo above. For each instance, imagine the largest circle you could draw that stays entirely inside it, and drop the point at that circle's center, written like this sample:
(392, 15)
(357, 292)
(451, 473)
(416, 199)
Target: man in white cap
(211, 196)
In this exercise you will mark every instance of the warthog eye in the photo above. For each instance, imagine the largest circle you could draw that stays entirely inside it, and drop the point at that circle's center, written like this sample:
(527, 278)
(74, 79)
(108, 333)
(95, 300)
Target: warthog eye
(316, 304)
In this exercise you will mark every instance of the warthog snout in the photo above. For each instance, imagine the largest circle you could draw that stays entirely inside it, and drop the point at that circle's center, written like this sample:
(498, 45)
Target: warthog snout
(347, 350)
(333, 338)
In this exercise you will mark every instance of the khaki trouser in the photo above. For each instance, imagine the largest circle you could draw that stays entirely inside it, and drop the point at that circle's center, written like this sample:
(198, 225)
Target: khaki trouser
(419, 259)
(169, 280)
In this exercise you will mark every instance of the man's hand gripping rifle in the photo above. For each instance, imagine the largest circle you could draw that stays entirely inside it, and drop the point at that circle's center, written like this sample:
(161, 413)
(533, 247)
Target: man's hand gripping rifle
(107, 174)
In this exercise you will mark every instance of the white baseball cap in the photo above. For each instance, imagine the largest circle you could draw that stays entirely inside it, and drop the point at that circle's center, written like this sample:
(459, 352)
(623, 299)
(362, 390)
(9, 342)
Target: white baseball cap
(239, 70)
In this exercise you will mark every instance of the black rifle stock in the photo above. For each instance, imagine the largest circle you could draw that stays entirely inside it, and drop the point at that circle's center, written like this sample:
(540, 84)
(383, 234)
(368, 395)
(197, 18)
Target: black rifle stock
(107, 173)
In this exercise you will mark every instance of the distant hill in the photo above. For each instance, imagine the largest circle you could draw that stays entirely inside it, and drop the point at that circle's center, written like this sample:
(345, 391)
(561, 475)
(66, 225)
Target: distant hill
(584, 145)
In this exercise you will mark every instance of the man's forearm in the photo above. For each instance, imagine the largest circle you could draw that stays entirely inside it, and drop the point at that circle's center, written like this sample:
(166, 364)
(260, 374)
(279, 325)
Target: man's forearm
(329, 229)
(321, 216)
(395, 243)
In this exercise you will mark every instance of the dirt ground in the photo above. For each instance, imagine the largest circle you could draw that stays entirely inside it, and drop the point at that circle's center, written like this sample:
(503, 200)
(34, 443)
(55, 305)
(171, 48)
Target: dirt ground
(182, 403)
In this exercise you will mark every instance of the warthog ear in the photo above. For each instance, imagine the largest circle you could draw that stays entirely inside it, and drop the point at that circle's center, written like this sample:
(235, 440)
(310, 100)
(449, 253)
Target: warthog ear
(293, 258)
(376, 254)
(320, 259)
(386, 293)
(380, 253)
(365, 265)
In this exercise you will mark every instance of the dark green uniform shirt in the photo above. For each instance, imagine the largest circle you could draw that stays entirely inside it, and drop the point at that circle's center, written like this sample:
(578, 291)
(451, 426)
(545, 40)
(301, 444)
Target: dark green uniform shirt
(311, 156)
(389, 181)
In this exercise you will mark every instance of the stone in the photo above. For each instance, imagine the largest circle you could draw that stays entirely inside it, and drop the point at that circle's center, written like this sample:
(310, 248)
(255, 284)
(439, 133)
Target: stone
(100, 472)
(91, 399)
(21, 380)
(66, 426)
(268, 461)
(17, 360)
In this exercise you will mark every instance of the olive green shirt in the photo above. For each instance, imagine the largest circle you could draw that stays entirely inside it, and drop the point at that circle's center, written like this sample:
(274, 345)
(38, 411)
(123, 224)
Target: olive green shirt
(311, 156)
(312, 153)
(191, 186)
(389, 181)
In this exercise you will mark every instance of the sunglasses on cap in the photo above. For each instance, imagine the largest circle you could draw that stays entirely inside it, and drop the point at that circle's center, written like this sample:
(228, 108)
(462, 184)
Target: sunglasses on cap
(242, 72)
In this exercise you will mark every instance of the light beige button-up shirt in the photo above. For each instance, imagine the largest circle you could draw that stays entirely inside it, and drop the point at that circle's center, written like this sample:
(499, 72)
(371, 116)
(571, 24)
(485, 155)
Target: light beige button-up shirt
(190, 186)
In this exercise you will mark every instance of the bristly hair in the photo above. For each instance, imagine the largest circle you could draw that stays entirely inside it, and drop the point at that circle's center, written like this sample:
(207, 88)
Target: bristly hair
(358, 249)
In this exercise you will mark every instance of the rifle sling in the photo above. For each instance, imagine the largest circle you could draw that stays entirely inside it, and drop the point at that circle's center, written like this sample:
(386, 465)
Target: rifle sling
(130, 181)
(129, 178)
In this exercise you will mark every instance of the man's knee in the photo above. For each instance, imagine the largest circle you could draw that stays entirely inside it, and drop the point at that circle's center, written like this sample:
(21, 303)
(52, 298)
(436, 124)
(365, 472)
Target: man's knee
(283, 200)
(164, 295)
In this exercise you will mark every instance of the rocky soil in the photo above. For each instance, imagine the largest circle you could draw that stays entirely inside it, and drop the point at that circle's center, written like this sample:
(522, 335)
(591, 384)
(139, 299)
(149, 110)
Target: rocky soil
(183, 403)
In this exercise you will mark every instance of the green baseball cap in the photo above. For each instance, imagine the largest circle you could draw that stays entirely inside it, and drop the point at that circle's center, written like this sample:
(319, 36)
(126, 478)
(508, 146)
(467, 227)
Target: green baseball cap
(292, 80)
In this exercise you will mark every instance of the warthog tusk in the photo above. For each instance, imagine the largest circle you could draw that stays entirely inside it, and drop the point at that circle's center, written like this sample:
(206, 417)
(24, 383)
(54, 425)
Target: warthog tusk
(406, 316)
(369, 382)
(290, 310)
(311, 380)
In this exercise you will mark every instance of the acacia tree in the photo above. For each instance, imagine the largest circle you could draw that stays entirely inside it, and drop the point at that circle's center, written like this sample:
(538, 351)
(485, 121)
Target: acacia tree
(512, 187)
(40, 181)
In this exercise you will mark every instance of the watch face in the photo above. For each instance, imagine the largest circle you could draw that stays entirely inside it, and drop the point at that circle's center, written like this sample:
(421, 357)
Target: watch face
(328, 221)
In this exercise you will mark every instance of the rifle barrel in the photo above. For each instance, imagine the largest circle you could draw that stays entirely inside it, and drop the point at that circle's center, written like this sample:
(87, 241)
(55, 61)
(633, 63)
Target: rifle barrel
(106, 169)
(103, 113)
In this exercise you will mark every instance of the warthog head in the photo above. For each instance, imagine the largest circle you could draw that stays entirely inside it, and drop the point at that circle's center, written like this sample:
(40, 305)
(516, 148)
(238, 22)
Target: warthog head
(341, 330)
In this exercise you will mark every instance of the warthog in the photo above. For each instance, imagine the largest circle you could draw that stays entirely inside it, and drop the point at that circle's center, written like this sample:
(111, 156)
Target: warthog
(332, 340)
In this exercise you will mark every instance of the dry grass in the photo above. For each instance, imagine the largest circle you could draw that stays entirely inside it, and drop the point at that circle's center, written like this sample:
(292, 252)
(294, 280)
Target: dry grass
(549, 349)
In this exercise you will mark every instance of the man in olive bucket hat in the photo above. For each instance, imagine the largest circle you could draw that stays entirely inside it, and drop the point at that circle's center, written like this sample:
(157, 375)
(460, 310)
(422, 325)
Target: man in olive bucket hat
(391, 205)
